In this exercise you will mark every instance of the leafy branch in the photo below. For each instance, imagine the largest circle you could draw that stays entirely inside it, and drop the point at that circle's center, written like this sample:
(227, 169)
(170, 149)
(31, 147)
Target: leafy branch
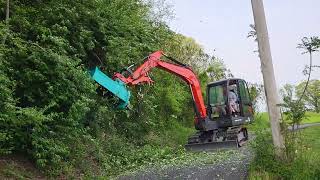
(309, 45)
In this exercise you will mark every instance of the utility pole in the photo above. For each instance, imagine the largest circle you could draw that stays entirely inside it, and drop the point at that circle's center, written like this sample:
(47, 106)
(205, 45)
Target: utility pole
(268, 73)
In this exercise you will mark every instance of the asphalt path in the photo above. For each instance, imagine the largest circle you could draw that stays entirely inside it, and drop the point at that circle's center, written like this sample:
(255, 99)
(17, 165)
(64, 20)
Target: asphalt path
(234, 167)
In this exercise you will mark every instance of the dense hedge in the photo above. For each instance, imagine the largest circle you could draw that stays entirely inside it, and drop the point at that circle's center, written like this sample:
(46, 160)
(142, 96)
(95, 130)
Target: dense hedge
(49, 106)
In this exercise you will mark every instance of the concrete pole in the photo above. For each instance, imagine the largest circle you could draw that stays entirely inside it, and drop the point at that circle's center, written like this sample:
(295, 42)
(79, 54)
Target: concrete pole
(268, 73)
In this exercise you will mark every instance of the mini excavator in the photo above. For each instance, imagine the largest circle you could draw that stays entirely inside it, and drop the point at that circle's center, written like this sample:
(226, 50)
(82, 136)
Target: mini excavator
(220, 124)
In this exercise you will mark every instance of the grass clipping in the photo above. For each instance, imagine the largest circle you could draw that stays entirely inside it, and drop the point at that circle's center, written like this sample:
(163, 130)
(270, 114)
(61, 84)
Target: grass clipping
(183, 159)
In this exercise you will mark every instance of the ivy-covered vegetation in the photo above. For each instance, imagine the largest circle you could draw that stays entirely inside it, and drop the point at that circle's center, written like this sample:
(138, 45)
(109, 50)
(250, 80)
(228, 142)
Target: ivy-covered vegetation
(50, 110)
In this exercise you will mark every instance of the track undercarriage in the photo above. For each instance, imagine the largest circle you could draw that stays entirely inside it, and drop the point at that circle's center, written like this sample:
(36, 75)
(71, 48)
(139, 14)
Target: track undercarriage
(228, 138)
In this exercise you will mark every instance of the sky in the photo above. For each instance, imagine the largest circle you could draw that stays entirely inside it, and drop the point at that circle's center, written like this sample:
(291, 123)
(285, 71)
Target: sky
(221, 27)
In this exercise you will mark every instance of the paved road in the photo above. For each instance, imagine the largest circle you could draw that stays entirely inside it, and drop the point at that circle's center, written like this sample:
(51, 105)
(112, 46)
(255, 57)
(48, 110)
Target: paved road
(302, 126)
(233, 168)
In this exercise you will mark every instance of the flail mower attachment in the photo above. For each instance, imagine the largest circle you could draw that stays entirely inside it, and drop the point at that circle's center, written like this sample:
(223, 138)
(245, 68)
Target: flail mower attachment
(116, 87)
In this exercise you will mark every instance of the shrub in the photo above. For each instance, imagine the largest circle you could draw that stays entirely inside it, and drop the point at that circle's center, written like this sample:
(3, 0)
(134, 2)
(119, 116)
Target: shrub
(297, 163)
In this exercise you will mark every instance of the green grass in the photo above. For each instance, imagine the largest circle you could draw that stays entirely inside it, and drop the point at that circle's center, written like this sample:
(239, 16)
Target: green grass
(311, 138)
(262, 120)
(305, 165)
(312, 117)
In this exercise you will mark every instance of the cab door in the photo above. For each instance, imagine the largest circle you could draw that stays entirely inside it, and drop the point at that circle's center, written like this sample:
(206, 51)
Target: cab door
(217, 101)
(245, 101)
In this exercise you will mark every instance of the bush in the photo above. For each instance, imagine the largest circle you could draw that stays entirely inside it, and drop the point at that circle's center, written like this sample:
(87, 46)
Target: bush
(49, 108)
(7, 112)
(297, 163)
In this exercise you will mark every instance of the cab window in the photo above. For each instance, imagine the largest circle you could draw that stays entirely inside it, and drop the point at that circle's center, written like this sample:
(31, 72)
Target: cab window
(216, 97)
(244, 92)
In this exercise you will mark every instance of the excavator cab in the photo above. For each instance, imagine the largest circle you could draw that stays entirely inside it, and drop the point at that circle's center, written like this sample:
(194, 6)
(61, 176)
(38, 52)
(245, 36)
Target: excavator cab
(229, 103)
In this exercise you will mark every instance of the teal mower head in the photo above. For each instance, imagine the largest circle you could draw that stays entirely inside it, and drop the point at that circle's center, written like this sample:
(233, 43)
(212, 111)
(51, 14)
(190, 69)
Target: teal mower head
(117, 87)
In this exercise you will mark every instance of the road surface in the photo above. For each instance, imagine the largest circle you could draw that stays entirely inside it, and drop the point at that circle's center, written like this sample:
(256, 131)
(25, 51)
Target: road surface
(233, 168)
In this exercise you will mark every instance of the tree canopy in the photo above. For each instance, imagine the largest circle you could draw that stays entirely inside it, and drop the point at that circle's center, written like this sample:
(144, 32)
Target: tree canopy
(312, 94)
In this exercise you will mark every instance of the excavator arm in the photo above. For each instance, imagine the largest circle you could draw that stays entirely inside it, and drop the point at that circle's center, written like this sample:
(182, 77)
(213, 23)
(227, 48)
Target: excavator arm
(140, 76)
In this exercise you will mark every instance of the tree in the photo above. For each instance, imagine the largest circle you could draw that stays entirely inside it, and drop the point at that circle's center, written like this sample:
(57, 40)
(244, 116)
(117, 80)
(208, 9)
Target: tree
(47, 97)
(216, 69)
(209, 68)
(48, 100)
(256, 94)
(188, 51)
(309, 45)
(160, 11)
(312, 94)
(294, 112)
(7, 109)
(316, 43)
(253, 34)
(292, 108)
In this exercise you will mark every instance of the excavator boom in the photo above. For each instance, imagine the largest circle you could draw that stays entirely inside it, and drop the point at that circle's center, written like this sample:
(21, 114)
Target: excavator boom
(140, 76)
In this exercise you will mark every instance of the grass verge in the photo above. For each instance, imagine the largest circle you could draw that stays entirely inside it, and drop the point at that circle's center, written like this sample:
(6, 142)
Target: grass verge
(300, 161)
(312, 117)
